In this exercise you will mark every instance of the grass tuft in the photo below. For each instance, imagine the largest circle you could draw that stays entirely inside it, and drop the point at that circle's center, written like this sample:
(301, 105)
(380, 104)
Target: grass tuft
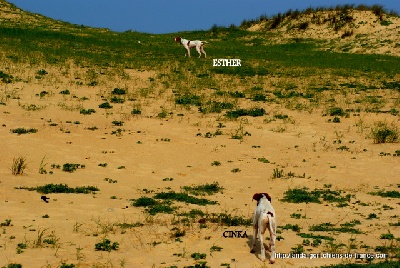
(208, 188)
(381, 132)
(61, 188)
(18, 166)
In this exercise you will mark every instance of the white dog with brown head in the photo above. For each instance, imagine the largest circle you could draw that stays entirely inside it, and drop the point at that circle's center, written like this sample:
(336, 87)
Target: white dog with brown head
(187, 44)
(264, 217)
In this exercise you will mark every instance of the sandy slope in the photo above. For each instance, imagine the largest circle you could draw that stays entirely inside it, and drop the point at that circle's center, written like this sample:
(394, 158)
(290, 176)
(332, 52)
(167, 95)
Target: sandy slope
(369, 34)
(78, 221)
(152, 149)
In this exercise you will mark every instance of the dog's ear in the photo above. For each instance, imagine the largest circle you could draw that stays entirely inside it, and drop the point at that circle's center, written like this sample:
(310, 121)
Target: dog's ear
(257, 197)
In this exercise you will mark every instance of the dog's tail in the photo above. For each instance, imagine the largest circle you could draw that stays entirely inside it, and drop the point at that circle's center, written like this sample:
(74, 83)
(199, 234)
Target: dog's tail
(205, 42)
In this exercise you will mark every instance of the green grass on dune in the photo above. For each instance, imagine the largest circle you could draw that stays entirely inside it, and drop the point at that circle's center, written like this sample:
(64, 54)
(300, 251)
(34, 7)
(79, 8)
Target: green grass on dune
(139, 50)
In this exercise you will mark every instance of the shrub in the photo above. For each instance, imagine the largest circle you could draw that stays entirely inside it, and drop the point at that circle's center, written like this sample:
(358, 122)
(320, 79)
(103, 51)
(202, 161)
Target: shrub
(387, 236)
(64, 265)
(189, 100)
(136, 111)
(336, 111)
(68, 167)
(160, 208)
(153, 206)
(198, 256)
(144, 202)
(7, 222)
(88, 111)
(259, 97)
(41, 72)
(21, 130)
(117, 100)
(6, 78)
(293, 227)
(106, 245)
(61, 188)
(105, 105)
(329, 227)
(303, 25)
(14, 265)
(245, 112)
(215, 107)
(301, 195)
(237, 94)
(216, 163)
(118, 91)
(390, 194)
(65, 92)
(117, 123)
(207, 188)
(381, 132)
(263, 160)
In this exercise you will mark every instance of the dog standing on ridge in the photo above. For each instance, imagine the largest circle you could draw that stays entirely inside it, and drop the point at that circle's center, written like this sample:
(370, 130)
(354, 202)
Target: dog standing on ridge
(187, 44)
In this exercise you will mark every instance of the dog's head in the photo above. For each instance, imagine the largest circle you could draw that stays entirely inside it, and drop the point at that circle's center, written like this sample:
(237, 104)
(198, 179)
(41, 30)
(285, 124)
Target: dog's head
(258, 196)
(178, 39)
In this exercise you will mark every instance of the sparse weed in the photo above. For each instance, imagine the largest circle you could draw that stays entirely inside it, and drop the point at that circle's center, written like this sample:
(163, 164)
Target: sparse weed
(390, 194)
(184, 197)
(235, 170)
(263, 160)
(18, 166)
(14, 265)
(277, 173)
(69, 167)
(87, 111)
(293, 227)
(65, 265)
(208, 188)
(381, 132)
(105, 105)
(60, 188)
(245, 112)
(7, 222)
(21, 130)
(301, 195)
(106, 245)
(327, 227)
(198, 256)
(216, 163)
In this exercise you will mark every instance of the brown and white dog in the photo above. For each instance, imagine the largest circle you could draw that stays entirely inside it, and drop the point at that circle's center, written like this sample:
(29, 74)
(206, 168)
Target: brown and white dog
(264, 217)
(187, 44)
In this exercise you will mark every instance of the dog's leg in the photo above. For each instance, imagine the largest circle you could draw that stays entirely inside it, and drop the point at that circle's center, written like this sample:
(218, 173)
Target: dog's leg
(202, 50)
(198, 48)
(188, 52)
(255, 229)
(272, 237)
(261, 230)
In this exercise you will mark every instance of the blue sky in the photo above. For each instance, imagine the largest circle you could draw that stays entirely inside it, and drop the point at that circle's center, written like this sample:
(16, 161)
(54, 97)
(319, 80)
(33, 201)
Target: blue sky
(167, 16)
